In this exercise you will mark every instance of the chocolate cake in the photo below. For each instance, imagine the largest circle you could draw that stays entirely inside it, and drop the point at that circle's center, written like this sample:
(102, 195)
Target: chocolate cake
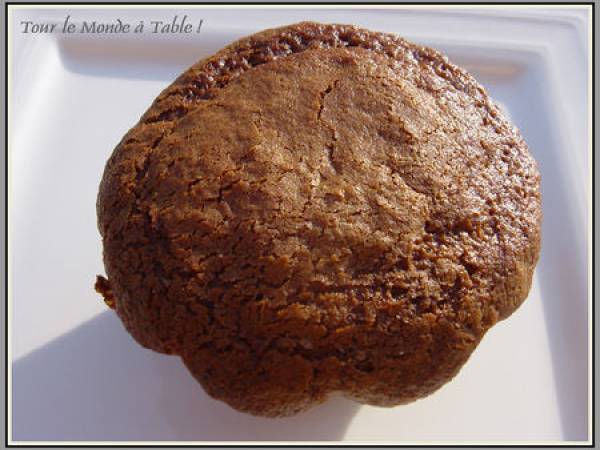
(316, 209)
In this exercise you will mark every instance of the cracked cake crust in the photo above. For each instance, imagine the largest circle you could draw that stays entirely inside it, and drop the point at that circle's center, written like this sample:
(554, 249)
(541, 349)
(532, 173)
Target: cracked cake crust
(319, 208)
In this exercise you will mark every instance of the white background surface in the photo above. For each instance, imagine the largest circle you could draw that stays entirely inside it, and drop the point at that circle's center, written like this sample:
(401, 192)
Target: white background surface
(77, 375)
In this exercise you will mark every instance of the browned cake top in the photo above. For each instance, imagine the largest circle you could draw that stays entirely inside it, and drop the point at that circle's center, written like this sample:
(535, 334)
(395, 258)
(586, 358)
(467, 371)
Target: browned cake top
(318, 208)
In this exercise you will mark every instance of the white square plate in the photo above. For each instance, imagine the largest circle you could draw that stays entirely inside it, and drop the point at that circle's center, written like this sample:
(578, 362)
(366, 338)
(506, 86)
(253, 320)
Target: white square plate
(78, 376)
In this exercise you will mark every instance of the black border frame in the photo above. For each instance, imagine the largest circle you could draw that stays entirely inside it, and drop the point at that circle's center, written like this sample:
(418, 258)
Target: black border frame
(304, 3)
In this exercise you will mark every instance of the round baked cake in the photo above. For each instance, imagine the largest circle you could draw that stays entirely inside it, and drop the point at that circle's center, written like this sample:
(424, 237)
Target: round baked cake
(317, 209)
